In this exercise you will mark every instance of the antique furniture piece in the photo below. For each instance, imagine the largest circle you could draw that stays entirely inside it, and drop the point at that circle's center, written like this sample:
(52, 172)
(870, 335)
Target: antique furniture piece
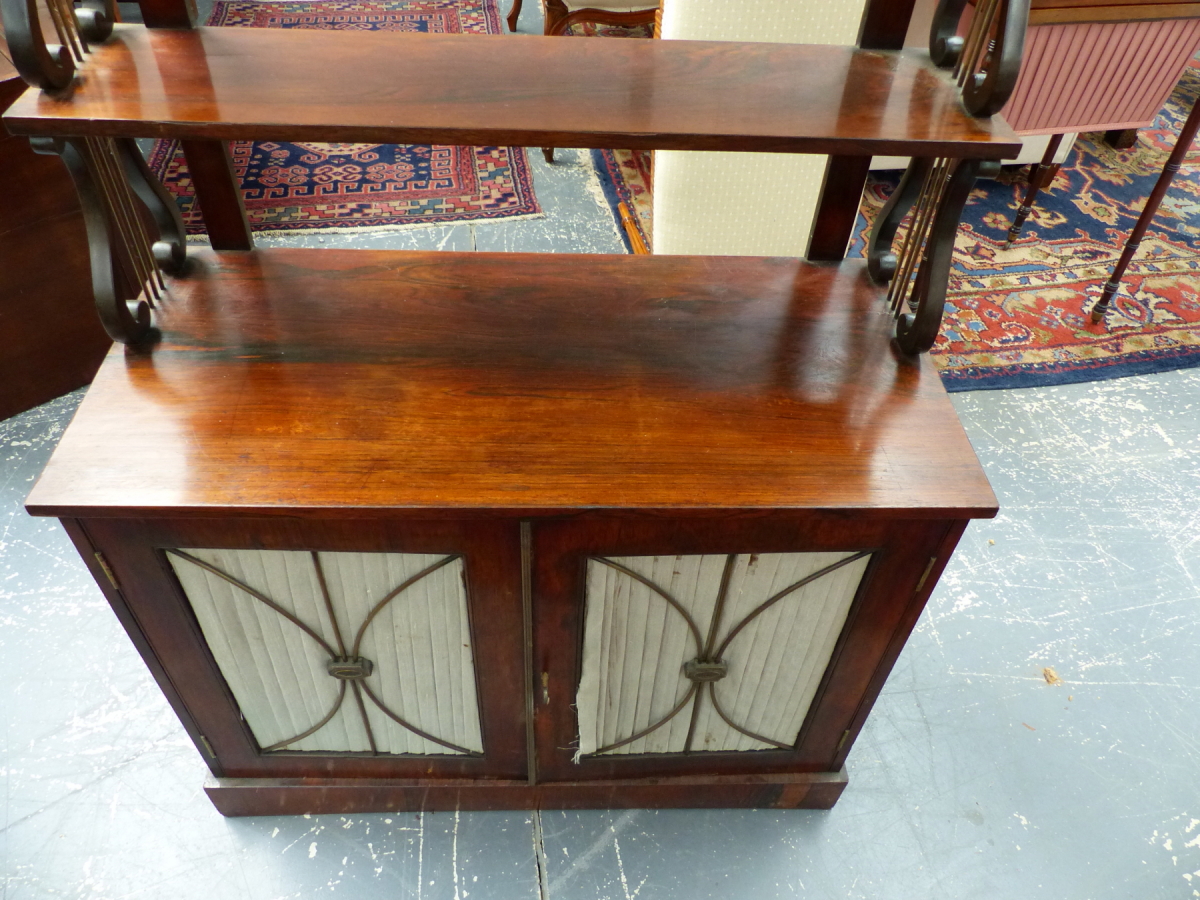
(401, 530)
(1183, 143)
(52, 341)
(562, 14)
(1089, 66)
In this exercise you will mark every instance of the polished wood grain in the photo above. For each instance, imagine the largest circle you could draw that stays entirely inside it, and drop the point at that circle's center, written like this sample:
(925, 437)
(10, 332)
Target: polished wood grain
(292, 797)
(302, 85)
(52, 339)
(339, 382)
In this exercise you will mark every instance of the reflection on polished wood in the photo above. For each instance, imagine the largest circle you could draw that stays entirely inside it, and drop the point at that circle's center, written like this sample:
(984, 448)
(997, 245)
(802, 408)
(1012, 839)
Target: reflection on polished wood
(298, 85)
(342, 382)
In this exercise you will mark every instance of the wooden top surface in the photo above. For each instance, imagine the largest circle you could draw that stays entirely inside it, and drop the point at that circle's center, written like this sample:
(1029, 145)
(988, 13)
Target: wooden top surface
(344, 381)
(392, 87)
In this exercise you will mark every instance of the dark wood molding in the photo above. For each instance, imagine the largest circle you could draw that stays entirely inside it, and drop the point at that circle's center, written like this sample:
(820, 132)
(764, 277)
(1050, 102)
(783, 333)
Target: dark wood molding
(310, 796)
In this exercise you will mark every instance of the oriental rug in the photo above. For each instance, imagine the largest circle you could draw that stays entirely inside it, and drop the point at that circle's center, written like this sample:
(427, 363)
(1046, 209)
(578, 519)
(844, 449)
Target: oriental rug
(1019, 316)
(624, 174)
(322, 187)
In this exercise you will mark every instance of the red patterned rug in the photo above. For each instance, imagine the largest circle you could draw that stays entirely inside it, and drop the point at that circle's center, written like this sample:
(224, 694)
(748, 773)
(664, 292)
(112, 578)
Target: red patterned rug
(1018, 317)
(306, 187)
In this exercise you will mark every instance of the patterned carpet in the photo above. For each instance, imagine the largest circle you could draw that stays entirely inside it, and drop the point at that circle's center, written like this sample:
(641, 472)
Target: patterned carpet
(351, 187)
(1018, 317)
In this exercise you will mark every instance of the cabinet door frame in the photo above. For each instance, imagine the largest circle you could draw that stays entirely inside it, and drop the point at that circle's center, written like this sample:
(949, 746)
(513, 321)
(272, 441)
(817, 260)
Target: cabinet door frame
(908, 556)
(147, 597)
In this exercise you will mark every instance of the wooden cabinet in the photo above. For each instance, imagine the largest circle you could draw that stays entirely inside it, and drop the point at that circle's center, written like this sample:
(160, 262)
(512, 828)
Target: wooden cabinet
(653, 541)
(401, 530)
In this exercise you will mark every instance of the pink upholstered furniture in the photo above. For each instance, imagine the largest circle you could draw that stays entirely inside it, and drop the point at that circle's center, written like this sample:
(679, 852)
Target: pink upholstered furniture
(1099, 67)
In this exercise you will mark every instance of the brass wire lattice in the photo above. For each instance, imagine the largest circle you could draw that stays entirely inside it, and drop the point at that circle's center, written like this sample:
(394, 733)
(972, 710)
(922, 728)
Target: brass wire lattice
(903, 290)
(344, 661)
(707, 668)
(132, 244)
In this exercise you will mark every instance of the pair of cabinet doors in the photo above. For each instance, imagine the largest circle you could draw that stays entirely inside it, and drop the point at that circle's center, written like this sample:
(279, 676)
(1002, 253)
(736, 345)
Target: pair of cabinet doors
(564, 648)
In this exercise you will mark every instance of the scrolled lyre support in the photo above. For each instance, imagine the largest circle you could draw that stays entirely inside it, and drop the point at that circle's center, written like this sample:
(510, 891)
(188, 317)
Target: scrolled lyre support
(125, 275)
(936, 190)
(170, 250)
(945, 45)
(50, 67)
(987, 61)
(96, 19)
(881, 258)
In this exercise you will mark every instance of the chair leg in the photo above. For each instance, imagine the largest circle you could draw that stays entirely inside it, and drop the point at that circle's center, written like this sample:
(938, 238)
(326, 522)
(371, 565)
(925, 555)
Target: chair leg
(514, 14)
(548, 152)
(556, 12)
(1043, 173)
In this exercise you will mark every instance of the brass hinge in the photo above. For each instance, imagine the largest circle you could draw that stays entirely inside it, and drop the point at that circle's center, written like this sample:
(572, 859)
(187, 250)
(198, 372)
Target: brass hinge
(842, 742)
(925, 574)
(108, 572)
(208, 747)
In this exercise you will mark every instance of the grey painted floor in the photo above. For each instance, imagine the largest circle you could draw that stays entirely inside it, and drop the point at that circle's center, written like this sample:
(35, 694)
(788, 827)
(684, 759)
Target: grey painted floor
(974, 778)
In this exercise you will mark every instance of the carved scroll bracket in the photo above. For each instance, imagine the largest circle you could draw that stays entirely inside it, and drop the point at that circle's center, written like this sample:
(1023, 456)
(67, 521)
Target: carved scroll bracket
(936, 190)
(987, 60)
(51, 67)
(127, 260)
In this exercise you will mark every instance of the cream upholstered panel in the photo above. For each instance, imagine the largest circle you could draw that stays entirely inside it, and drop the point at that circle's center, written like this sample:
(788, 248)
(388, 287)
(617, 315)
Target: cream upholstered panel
(419, 643)
(611, 5)
(750, 204)
(766, 21)
(635, 646)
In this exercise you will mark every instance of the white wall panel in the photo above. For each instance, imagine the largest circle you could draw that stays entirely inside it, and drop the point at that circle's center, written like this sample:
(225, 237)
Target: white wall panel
(419, 643)
(748, 204)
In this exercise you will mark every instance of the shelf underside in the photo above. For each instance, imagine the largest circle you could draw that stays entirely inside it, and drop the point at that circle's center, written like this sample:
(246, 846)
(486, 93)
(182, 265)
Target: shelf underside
(345, 382)
(391, 87)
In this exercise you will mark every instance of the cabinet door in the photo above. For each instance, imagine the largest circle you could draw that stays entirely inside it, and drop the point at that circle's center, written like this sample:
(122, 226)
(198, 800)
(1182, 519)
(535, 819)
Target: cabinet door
(718, 646)
(342, 648)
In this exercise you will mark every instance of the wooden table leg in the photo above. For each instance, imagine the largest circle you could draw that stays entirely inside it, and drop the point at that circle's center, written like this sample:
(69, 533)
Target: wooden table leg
(218, 194)
(514, 14)
(837, 209)
(1186, 135)
(168, 13)
(1043, 173)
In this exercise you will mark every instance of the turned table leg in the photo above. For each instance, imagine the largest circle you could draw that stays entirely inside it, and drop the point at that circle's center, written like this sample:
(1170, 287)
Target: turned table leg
(1186, 135)
(1043, 173)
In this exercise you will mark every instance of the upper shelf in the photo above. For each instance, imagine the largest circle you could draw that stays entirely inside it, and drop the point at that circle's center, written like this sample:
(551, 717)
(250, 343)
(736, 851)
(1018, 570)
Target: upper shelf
(390, 87)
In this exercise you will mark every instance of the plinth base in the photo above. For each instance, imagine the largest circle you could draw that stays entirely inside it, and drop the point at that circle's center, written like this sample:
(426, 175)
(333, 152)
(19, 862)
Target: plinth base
(297, 796)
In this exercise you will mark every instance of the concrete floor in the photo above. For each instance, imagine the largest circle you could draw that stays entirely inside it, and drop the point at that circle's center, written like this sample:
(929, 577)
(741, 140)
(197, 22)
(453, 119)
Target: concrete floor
(974, 777)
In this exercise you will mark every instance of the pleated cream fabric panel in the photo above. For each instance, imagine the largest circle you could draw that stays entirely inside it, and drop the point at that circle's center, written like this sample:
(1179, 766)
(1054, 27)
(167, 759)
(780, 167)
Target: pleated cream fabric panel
(419, 643)
(777, 661)
(744, 204)
(635, 646)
